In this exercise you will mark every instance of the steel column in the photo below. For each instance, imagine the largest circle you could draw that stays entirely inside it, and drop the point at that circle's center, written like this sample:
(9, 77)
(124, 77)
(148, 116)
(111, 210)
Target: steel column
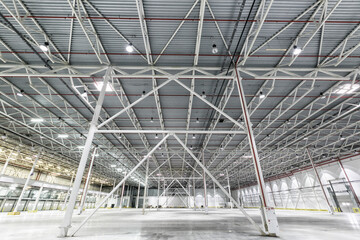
(146, 186)
(6, 163)
(38, 197)
(68, 192)
(87, 183)
(256, 160)
(27, 181)
(330, 208)
(228, 182)
(347, 178)
(66, 223)
(137, 198)
(122, 195)
(205, 192)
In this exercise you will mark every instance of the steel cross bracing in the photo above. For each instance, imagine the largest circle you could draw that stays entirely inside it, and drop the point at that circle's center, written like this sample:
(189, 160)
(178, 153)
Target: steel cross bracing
(100, 46)
(28, 31)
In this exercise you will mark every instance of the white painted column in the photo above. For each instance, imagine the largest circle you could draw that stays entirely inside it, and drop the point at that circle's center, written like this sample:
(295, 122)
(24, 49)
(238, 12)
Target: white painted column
(228, 182)
(87, 183)
(27, 181)
(6, 163)
(215, 203)
(68, 192)
(270, 225)
(146, 186)
(38, 197)
(194, 194)
(138, 195)
(330, 208)
(205, 192)
(158, 197)
(66, 223)
(122, 195)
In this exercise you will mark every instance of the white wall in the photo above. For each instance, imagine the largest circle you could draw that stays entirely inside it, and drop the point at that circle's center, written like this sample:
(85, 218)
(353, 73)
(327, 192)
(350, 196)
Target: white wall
(302, 190)
(175, 201)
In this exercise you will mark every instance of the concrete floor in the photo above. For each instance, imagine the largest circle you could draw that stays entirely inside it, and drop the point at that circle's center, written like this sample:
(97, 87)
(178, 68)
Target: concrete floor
(174, 224)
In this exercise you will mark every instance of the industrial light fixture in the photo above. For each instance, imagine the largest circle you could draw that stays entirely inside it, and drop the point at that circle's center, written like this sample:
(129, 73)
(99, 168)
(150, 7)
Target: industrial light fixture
(203, 95)
(221, 174)
(119, 169)
(160, 147)
(37, 120)
(247, 156)
(305, 138)
(81, 147)
(63, 136)
(288, 121)
(221, 148)
(152, 119)
(197, 120)
(129, 48)
(262, 95)
(156, 136)
(322, 96)
(99, 86)
(120, 136)
(193, 136)
(347, 88)
(112, 165)
(21, 93)
(342, 138)
(214, 50)
(191, 147)
(297, 50)
(143, 94)
(44, 47)
(84, 94)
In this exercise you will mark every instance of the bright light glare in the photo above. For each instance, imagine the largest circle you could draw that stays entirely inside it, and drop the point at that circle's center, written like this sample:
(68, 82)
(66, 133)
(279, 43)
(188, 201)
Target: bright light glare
(129, 48)
(37, 120)
(113, 165)
(63, 136)
(44, 48)
(297, 50)
(99, 86)
(347, 88)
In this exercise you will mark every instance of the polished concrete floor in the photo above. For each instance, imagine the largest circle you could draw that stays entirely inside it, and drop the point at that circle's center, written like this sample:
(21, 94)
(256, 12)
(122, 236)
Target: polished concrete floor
(176, 224)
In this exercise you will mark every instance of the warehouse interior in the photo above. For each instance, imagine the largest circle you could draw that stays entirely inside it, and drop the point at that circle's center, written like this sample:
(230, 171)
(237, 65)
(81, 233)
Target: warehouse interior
(192, 119)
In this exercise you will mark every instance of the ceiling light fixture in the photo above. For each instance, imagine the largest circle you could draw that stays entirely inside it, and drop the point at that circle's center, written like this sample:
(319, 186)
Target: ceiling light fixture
(37, 120)
(193, 136)
(112, 165)
(21, 93)
(262, 95)
(342, 138)
(197, 120)
(152, 119)
(203, 95)
(129, 48)
(156, 136)
(44, 47)
(297, 50)
(63, 136)
(214, 50)
(322, 96)
(84, 94)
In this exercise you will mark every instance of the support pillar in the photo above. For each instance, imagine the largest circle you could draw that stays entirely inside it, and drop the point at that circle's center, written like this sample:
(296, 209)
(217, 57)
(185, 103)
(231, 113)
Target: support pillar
(348, 180)
(87, 183)
(194, 194)
(215, 196)
(268, 217)
(138, 195)
(228, 182)
(15, 211)
(158, 193)
(330, 208)
(122, 195)
(146, 186)
(6, 163)
(205, 192)
(68, 192)
(38, 198)
(66, 223)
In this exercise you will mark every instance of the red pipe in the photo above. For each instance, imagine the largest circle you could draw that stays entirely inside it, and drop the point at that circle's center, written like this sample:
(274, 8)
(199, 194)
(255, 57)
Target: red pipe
(187, 19)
